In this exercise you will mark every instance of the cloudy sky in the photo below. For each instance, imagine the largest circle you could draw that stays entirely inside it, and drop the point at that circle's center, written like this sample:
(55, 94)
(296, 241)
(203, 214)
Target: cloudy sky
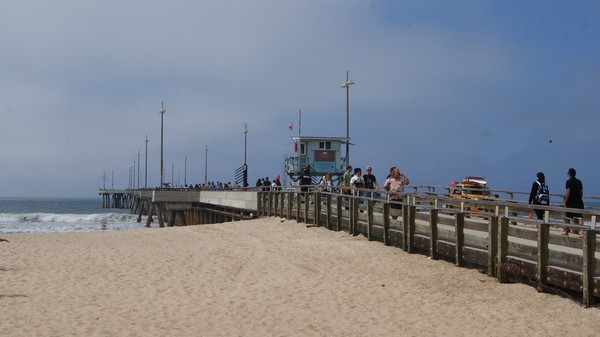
(443, 89)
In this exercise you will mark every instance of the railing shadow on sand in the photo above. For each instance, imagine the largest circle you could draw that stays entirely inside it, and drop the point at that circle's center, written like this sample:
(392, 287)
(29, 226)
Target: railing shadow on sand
(497, 237)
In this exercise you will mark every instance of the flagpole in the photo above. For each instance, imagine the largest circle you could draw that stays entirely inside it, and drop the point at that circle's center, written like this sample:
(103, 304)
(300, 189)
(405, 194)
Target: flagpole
(299, 122)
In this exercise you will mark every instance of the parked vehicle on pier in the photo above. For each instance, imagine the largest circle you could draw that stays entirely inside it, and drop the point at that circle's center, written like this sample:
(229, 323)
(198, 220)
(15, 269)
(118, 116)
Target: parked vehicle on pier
(472, 187)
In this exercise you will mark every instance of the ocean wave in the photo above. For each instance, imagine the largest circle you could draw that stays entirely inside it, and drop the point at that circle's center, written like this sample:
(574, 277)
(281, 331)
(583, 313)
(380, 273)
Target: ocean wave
(65, 218)
(11, 223)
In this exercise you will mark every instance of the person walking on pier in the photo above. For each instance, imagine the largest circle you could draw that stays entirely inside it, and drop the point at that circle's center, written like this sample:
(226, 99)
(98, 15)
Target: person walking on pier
(345, 181)
(371, 183)
(345, 184)
(304, 180)
(539, 194)
(259, 184)
(573, 199)
(394, 185)
(357, 182)
(326, 183)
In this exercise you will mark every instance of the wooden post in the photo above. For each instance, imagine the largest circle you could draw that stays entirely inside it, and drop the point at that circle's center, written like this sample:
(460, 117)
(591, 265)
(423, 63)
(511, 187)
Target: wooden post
(370, 204)
(139, 209)
(459, 231)
(282, 204)
(354, 216)
(306, 207)
(298, 206)
(171, 220)
(317, 207)
(502, 249)
(161, 222)
(149, 218)
(328, 210)
(408, 221)
(266, 204)
(589, 266)
(338, 223)
(492, 245)
(405, 230)
(433, 233)
(386, 223)
(543, 254)
(350, 215)
(258, 203)
(290, 203)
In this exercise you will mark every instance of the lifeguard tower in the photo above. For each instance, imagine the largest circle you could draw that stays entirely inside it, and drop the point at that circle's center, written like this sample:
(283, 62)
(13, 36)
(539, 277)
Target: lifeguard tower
(322, 154)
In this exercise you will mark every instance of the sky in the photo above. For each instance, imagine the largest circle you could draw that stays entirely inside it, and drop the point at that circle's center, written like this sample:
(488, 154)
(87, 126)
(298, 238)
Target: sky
(443, 89)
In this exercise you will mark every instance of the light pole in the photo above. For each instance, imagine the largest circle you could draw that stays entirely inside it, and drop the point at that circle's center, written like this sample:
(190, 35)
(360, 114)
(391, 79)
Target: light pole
(162, 113)
(138, 168)
(245, 147)
(185, 172)
(347, 85)
(146, 162)
(206, 165)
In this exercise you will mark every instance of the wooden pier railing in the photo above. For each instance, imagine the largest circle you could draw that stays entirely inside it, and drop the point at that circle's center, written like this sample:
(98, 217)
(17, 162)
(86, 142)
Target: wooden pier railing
(495, 236)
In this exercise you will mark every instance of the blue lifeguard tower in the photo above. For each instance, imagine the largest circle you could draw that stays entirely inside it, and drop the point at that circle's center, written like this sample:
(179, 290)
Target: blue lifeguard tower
(321, 154)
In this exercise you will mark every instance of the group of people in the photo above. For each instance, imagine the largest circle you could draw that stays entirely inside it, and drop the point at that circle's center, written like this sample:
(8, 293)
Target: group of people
(573, 197)
(264, 184)
(354, 182)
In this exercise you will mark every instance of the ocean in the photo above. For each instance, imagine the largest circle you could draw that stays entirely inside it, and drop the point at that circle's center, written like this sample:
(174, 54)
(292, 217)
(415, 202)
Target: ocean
(56, 215)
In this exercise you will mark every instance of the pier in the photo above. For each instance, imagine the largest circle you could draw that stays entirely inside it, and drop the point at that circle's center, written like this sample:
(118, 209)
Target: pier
(496, 236)
(183, 207)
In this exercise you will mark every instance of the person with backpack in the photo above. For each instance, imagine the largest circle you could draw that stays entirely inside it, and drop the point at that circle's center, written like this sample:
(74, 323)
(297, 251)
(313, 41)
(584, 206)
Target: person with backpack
(539, 195)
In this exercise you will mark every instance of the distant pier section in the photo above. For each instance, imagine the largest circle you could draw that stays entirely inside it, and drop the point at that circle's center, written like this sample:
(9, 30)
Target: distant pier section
(182, 207)
(116, 198)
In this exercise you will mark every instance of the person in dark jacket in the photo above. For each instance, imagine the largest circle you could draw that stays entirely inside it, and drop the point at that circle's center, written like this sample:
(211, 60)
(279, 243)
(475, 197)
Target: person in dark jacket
(304, 180)
(541, 179)
(573, 199)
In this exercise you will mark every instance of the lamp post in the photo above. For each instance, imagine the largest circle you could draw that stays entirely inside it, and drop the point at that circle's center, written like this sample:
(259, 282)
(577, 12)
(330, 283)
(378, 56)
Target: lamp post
(162, 113)
(146, 164)
(206, 165)
(138, 169)
(347, 85)
(185, 172)
(245, 147)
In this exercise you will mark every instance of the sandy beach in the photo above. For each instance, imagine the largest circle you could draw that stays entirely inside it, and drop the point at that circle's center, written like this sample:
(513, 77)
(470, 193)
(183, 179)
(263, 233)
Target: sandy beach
(265, 277)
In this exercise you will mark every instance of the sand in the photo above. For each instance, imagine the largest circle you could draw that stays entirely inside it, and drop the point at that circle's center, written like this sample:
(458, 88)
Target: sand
(265, 277)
